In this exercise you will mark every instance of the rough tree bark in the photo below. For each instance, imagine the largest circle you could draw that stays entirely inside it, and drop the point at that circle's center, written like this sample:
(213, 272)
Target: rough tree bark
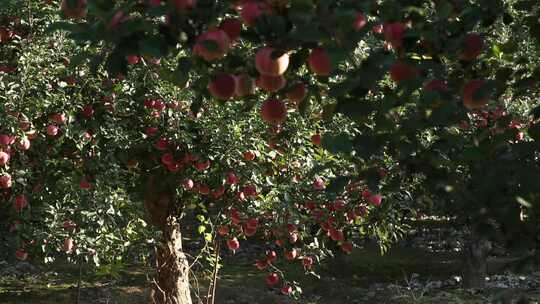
(171, 283)
(475, 253)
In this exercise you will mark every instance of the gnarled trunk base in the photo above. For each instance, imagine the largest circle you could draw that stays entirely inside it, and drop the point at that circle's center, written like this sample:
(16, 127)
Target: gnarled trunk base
(171, 284)
(474, 269)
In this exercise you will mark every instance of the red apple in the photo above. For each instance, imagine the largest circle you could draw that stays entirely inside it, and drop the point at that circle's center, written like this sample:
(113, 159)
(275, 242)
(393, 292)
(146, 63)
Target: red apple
(291, 255)
(5, 181)
(52, 130)
(231, 178)
(68, 245)
(4, 158)
(297, 93)
(79, 11)
(469, 90)
(84, 184)
(188, 184)
(251, 11)
(268, 63)
(133, 59)
(167, 159)
(272, 279)
(286, 289)
(223, 86)
(360, 21)
(271, 84)
(316, 139)
(161, 144)
(401, 71)
(319, 62)
(233, 244)
(232, 27)
(217, 37)
(318, 184)
(249, 155)
(347, 247)
(473, 47)
(21, 254)
(59, 118)
(20, 203)
(261, 264)
(223, 230)
(435, 85)
(271, 256)
(273, 111)
(183, 5)
(307, 262)
(394, 33)
(375, 199)
(202, 166)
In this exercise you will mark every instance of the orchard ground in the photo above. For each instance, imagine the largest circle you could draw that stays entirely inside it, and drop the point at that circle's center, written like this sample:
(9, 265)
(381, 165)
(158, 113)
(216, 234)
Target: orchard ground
(404, 275)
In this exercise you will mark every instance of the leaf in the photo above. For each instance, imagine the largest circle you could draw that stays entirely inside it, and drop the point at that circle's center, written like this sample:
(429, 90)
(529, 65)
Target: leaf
(340, 143)
(201, 229)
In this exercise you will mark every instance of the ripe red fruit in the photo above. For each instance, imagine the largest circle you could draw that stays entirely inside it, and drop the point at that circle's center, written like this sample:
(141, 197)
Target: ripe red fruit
(21, 254)
(218, 192)
(347, 247)
(244, 85)
(336, 235)
(316, 139)
(217, 37)
(319, 62)
(307, 262)
(223, 86)
(435, 85)
(84, 184)
(249, 155)
(291, 255)
(401, 71)
(375, 199)
(271, 256)
(68, 225)
(273, 111)
(261, 264)
(394, 33)
(5, 34)
(203, 189)
(188, 184)
(167, 159)
(68, 245)
(253, 223)
(286, 289)
(272, 279)
(469, 90)
(297, 93)
(318, 184)
(78, 12)
(59, 118)
(233, 244)
(360, 21)
(231, 178)
(223, 230)
(251, 11)
(4, 158)
(161, 144)
(6, 140)
(183, 5)
(133, 59)
(52, 130)
(267, 63)
(271, 84)
(339, 205)
(232, 27)
(473, 47)
(174, 167)
(201, 166)
(20, 203)
(5, 181)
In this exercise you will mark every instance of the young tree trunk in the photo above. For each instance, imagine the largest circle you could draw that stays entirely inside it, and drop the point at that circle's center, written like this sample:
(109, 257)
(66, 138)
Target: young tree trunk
(171, 284)
(475, 254)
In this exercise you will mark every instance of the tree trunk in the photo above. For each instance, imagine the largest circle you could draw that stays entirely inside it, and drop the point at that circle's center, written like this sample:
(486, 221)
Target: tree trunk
(171, 284)
(475, 254)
